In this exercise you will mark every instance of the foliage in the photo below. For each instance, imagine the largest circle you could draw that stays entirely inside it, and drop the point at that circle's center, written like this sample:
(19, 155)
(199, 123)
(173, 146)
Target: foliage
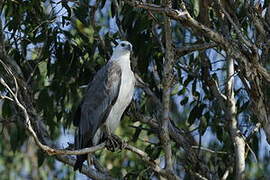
(58, 46)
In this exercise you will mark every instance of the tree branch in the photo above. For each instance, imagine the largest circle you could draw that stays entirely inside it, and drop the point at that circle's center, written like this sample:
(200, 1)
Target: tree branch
(166, 96)
(194, 47)
(230, 114)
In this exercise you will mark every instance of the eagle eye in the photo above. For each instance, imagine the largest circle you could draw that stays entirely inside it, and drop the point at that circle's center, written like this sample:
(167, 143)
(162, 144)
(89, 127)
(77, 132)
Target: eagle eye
(122, 44)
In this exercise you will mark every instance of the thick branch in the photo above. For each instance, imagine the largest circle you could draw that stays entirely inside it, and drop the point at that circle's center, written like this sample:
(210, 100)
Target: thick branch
(166, 96)
(238, 141)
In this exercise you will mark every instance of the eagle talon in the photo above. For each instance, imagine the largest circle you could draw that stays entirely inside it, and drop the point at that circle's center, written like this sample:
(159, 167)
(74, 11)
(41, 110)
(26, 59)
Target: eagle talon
(123, 145)
(113, 142)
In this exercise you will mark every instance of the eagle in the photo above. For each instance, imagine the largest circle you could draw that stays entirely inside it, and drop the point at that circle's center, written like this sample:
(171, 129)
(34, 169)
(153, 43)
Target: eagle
(107, 96)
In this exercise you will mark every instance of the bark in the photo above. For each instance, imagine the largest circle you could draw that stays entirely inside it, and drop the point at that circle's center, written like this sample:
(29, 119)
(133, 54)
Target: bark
(236, 136)
(166, 96)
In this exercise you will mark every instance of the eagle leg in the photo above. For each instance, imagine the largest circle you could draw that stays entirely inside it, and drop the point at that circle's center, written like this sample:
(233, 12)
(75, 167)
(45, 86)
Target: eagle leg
(113, 143)
(90, 159)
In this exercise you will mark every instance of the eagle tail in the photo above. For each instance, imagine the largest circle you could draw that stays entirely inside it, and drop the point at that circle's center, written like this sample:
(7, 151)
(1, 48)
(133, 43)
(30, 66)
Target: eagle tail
(79, 162)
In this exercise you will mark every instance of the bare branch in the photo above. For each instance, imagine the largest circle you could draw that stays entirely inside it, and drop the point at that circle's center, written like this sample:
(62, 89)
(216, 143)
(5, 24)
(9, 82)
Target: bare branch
(156, 8)
(238, 141)
(225, 175)
(166, 96)
(194, 47)
(6, 97)
(199, 176)
(209, 150)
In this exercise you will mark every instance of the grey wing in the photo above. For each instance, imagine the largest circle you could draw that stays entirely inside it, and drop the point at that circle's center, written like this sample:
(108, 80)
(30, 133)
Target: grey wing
(101, 95)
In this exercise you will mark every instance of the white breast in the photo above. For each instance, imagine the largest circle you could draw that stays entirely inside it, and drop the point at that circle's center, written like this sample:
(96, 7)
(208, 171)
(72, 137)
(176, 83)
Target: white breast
(122, 102)
(124, 98)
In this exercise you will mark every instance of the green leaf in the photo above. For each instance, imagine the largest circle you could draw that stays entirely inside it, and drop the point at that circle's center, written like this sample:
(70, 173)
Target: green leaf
(182, 91)
(243, 107)
(195, 113)
(196, 7)
(43, 99)
(17, 137)
(136, 134)
(6, 110)
(42, 66)
(113, 8)
(103, 3)
(187, 81)
(193, 87)
(203, 125)
(65, 5)
(184, 101)
(153, 151)
(175, 90)
(41, 157)
(207, 116)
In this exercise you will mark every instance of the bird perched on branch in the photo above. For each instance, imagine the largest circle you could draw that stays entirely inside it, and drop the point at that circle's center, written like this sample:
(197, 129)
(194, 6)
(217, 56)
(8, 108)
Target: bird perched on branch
(108, 95)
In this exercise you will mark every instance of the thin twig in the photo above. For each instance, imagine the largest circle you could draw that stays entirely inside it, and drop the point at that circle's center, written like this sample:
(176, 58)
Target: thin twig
(6, 97)
(225, 175)
(209, 150)
(194, 47)
(200, 176)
